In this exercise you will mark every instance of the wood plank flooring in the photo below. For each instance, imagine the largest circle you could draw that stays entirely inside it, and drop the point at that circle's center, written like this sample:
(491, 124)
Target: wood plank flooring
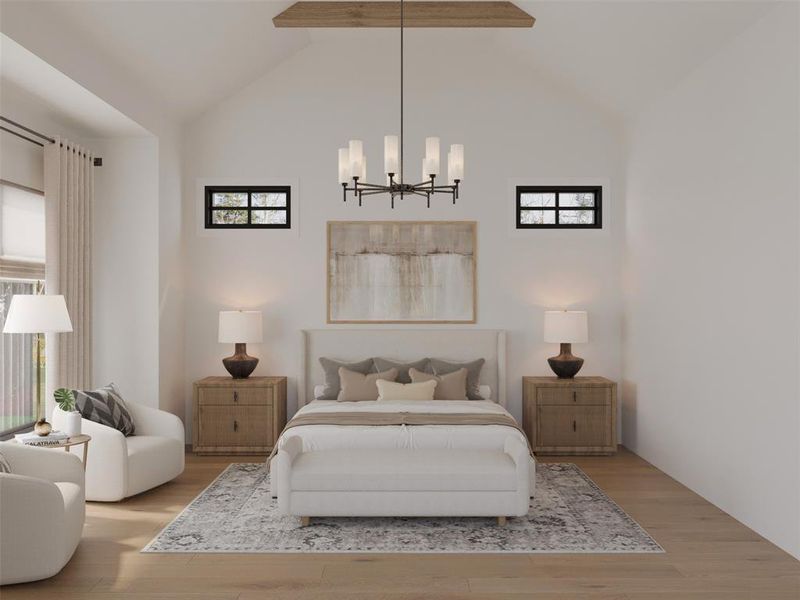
(710, 556)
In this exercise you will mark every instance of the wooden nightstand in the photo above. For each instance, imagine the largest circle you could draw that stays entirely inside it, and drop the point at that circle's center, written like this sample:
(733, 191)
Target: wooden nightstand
(238, 416)
(570, 416)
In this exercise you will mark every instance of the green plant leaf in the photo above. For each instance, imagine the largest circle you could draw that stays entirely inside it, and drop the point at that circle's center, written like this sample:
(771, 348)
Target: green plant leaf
(65, 399)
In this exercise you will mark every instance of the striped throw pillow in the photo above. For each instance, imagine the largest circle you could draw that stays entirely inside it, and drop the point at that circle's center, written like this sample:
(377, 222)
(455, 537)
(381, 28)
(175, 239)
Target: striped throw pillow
(105, 406)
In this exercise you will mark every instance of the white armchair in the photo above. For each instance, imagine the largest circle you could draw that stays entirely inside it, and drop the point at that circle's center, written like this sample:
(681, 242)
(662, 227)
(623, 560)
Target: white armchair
(119, 467)
(42, 512)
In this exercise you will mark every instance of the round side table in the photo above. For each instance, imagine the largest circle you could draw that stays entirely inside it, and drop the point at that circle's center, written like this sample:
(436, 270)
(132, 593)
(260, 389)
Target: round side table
(73, 441)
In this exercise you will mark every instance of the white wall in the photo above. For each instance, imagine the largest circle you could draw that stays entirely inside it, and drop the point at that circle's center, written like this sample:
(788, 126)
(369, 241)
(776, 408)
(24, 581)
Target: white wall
(287, 126)
(711, 328)
(125, 267)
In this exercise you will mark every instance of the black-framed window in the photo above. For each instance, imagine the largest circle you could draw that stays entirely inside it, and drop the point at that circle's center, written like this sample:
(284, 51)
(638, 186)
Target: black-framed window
(559, 207)
(248, 207)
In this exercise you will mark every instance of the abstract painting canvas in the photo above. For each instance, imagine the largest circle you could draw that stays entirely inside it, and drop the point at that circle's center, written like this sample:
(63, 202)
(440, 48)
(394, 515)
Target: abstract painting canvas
(401, 271)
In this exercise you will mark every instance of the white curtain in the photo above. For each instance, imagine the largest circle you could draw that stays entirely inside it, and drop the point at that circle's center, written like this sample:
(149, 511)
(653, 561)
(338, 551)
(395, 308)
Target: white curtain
(69, 197)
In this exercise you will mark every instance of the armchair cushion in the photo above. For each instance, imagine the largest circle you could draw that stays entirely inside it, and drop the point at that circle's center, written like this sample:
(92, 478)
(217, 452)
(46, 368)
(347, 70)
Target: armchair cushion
(105, 406)
(152, 460)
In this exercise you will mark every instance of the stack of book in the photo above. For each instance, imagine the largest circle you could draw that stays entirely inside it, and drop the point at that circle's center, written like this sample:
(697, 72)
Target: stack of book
(31, 438)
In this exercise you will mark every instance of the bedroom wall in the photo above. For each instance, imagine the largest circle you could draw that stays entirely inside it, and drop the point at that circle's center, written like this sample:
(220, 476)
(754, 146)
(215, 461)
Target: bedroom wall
(712, 299)
(125, 266)
(286, 127)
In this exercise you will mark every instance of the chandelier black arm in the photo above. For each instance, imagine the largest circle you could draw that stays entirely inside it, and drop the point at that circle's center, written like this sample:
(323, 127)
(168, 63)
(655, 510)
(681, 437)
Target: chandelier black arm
(369, 186)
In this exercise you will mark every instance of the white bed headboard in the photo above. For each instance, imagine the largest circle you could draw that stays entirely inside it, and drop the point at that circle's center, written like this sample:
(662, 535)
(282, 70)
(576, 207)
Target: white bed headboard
(403, 345)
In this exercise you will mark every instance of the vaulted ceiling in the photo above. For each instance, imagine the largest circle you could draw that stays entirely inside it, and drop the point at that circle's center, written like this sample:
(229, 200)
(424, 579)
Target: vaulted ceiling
(191, 55)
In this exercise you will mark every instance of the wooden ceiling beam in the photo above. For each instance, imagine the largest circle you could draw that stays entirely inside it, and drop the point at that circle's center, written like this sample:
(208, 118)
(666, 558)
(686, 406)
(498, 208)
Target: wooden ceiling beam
(417, 14)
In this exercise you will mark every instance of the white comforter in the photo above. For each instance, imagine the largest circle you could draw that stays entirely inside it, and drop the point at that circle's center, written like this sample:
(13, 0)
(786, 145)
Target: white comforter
(326, 437)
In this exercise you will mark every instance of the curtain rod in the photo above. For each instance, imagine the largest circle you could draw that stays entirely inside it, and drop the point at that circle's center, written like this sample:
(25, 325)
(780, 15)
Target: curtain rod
(98, 161)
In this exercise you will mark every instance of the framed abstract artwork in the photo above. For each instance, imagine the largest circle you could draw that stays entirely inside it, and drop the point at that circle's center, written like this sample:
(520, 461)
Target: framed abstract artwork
(401, 271)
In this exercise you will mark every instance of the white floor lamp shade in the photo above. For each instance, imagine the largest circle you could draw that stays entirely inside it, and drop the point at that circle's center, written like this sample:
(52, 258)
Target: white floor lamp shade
(37, 314)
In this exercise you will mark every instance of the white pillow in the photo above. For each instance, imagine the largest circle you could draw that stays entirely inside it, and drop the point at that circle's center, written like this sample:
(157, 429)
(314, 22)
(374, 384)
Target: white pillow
(390, 390)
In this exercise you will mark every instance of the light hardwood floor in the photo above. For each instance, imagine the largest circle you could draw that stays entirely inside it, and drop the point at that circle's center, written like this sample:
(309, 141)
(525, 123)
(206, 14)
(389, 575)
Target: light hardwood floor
(710, 556)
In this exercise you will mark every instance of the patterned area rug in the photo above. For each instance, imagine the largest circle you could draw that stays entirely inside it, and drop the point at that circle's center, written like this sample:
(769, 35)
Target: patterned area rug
(568, 514)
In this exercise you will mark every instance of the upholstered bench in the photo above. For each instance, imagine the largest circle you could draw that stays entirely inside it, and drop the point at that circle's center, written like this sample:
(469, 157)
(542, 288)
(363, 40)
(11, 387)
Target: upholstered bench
(401, 482)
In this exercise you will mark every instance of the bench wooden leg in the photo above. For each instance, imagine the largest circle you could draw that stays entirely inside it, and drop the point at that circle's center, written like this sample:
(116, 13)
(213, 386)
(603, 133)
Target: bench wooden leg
(501, 521)
(305, 521)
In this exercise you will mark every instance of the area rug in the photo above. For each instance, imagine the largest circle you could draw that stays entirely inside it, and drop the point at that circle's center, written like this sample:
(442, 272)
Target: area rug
(569, 513)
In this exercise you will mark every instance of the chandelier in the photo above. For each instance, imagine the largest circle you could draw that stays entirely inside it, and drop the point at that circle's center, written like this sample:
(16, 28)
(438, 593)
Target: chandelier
(353, 162)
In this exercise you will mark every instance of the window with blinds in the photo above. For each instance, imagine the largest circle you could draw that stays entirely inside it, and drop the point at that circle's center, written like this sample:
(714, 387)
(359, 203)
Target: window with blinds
(22, 260)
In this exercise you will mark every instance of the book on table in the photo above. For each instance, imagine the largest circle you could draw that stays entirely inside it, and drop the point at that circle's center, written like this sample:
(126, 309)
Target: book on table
(54, 438)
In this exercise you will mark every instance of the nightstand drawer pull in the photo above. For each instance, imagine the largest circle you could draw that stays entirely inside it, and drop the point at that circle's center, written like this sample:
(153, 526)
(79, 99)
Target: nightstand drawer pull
(574, 395)
(235, 396)
(574, 425)
(235, 425)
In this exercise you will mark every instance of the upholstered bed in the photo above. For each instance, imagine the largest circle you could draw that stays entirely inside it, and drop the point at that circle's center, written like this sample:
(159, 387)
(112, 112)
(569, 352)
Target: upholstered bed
(402, 457)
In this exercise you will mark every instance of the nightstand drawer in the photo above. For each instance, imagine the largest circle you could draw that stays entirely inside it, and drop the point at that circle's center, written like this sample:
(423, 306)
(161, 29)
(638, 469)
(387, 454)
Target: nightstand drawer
(573, 427)
(233, 396)
(574, 395)
(235, 426)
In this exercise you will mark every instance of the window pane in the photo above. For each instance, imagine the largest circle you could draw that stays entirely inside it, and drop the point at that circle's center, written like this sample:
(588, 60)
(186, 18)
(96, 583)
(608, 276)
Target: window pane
(537, 199)
(269, 217)
(229, 199)
(271, 199)
(576, 217)
(576, 199)
(229, 217)
(18, 404)
(538, 217)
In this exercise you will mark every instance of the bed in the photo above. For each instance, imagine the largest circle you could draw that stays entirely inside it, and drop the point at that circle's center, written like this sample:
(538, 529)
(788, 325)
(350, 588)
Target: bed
(403, 458)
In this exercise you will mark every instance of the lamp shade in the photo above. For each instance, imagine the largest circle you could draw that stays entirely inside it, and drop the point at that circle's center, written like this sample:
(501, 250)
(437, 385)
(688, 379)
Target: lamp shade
(240, 326)
(37, 314)
(566, 326)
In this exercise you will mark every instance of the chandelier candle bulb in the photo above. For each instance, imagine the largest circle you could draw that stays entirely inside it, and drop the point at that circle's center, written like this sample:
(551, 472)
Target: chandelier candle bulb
(356, 148)
(450, 180)
(344, 165)
(391, 154)
(457, 150)
(432, 153)
(427, 168)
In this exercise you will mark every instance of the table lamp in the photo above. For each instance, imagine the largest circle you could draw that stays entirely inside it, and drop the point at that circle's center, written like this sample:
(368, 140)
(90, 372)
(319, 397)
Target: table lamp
(37, 314)
(566, 327)
(240, 327)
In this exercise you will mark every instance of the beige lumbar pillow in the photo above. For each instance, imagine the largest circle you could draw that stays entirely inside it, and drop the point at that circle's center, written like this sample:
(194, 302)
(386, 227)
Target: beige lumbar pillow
(389, 390)
(357, 387)
(452, 386)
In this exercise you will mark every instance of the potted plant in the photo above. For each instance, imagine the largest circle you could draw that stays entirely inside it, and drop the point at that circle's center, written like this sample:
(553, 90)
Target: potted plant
(66, 401)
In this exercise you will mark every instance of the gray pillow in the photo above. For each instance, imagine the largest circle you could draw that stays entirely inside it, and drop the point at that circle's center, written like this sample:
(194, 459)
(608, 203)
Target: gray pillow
(105, 406)
(333, 384)
(442, 367)
(383, 364)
